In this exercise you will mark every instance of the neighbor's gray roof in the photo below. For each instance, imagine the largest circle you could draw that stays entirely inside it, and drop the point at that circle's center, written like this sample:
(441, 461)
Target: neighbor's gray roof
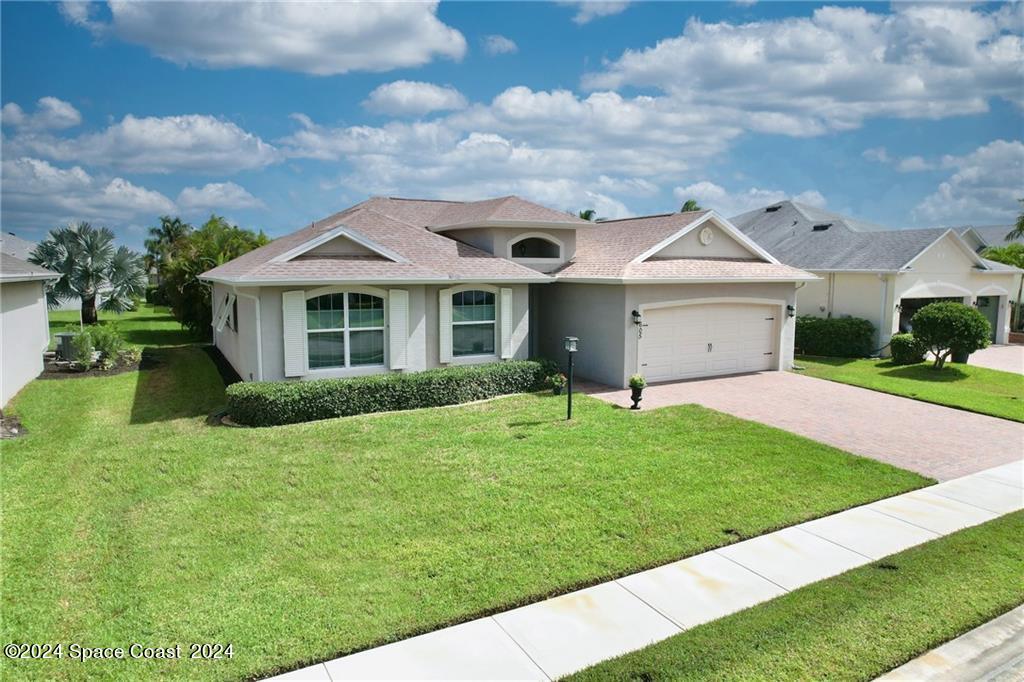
(994, 235)
(15, 269)
(14, 245)
(848, 244)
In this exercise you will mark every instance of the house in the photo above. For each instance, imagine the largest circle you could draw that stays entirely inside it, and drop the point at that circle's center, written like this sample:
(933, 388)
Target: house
(407, 284)
(24, 323)
(880, 274)
(13, 245)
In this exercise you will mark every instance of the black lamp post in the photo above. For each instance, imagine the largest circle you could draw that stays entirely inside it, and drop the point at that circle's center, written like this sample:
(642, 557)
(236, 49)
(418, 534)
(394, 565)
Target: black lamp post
(570, 348)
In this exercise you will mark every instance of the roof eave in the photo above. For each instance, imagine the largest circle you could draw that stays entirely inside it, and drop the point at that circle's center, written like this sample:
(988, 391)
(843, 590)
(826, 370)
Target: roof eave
(257, 282)
(40, 277)
(688, 280)
(518, 224)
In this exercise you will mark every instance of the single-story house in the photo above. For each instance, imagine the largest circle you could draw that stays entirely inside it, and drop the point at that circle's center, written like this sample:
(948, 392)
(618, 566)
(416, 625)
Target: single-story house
(13, 245)
(399, 285)
(24, 323)
(880, 274)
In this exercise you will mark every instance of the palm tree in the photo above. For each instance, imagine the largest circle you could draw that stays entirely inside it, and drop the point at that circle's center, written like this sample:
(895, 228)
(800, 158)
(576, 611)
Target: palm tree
(88, 262)
(1018, 230)
(588, 214)
(162, 239)
(690, 205)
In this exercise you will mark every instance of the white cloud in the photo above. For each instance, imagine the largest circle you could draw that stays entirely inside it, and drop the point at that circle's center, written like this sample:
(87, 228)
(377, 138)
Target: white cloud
(879, 154)
(321, 38)
(498, 44)
(39, 195)
(728, 204)
(402, 98)
(588, 10)
(984, 189)
(217, 197)
(831, 71)
(199, 143)
(913, 164)
(51, 114)
(907, 164)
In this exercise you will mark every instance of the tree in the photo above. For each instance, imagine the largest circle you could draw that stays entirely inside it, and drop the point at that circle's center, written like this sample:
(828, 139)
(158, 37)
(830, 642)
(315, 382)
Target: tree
(588, 214)
(690, 205)
(1011, 254)
(213, 244)
(162, 239)
(1018, 229)
(89, 265)
(947, 326)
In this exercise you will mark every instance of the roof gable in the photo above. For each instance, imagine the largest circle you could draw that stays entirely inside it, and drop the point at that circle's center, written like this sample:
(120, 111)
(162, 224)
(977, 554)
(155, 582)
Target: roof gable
(709, 236)
(340, 241)
(946, 252)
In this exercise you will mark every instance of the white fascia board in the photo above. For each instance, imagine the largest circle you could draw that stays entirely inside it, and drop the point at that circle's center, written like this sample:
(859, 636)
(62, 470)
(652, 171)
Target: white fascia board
(334, 233)
(4, 279)
(685, 280)
(243, 282)
(959, 242)
(518, 224)
(723, 224)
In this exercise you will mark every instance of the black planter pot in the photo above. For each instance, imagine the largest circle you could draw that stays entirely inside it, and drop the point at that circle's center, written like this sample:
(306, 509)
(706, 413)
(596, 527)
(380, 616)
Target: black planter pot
(959, 356)
(557, 390)
(636, 397)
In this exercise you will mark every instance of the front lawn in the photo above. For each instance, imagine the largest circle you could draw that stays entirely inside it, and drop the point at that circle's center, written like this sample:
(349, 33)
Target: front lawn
(976, 389)
(127, 519)
(852, 627)
(148, 326)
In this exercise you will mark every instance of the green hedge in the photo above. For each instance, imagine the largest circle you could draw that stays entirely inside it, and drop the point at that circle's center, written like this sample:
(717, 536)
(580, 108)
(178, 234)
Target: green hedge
(269, 403)
(839, 337)
(155, 296)
(906, 350)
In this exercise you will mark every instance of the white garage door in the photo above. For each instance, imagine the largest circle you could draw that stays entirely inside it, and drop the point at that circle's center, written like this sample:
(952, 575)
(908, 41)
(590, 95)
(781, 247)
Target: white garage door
(705, 340)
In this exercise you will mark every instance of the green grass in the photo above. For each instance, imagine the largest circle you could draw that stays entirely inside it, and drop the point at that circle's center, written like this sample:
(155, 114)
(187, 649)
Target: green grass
(148, 326)
(126, 518)
(852, 627)
(977, 389)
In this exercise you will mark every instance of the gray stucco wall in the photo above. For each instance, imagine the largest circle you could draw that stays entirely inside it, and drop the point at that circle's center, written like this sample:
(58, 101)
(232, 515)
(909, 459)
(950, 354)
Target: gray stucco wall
(24, 335)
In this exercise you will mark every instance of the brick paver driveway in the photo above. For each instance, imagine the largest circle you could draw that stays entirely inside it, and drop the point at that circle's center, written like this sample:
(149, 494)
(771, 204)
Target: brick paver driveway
(1006, 358)
(936, 441)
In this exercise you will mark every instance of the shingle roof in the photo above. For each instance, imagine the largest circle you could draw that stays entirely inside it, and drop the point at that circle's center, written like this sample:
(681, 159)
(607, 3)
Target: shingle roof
(15, 269)
(14, 245)
(606, 251)
(396, 224)
(994, 235)
(847, 244)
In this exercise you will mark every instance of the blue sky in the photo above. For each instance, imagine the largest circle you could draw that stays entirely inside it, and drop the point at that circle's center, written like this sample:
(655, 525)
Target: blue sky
(275, 115)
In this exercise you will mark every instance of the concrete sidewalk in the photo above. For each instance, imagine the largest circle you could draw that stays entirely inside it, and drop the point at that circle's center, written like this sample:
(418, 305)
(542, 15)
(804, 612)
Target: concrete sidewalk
(552, 638)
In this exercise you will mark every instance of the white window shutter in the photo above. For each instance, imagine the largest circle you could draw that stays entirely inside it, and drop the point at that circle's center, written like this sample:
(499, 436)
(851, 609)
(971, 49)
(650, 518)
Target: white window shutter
(444, 315)
(293, 320)
(506, 323)
(398, 328)
(225, 312)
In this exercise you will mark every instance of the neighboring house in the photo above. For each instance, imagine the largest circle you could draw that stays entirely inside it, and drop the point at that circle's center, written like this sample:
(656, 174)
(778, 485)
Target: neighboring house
(24, 324)
(13, 245)
(405, 285)
(879, 274)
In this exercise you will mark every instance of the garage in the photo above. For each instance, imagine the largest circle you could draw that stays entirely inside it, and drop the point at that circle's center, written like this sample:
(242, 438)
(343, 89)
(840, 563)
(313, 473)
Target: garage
(700, 340)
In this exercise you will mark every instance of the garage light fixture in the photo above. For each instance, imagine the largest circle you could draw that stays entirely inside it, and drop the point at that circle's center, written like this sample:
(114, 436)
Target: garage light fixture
(791, 310)
(637, 317)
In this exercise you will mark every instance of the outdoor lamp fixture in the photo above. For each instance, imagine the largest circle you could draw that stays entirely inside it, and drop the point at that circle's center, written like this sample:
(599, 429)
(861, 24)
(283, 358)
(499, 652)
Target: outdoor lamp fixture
(791, 311)
(637, 317)
(570, 348)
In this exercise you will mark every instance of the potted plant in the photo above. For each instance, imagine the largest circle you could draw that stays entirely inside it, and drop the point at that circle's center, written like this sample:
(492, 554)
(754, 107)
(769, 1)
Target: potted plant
(557, 382)
(637, 383)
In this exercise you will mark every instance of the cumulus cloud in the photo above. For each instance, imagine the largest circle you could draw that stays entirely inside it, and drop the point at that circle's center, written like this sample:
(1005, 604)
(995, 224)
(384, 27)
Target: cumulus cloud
(403, 98)
(37, 194)
(194, 142)
(907, 164)
(217, 197)
(983, 189)
(726, 203)
(50, 114)
(879, 154)
(498, 44)
(834, 69)
(321, 38)
(588, 10)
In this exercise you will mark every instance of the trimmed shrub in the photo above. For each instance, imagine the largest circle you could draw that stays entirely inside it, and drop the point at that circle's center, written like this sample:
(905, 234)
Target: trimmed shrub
(840, 337)
(107, 340)
(83, 349)
(906, 350)
(947, 327)
(269, 403)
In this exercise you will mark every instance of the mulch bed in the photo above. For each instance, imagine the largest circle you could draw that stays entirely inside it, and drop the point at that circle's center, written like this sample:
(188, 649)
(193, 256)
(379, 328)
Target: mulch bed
(56, 369)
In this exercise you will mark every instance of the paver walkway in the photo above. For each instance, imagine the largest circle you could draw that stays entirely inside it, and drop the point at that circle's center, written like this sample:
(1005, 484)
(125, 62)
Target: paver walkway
(933, 440)
(1005, 358)
(993, 652)
(552, 638)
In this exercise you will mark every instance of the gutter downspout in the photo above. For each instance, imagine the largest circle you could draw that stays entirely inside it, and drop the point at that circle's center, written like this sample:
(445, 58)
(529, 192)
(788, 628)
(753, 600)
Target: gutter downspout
(883, 308)
(259, 332)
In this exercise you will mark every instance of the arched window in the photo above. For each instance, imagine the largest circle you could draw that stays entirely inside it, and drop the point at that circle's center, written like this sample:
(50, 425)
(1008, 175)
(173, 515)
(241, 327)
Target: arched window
(473, 316)
(345, 329)
(536, 247)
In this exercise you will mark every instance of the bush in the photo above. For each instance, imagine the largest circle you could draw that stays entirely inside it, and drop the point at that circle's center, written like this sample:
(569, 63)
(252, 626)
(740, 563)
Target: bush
(83, 349)
(156, 296)
(906, 350)
(946, 326)
(841, 337)
(107, 340)
(287, 402)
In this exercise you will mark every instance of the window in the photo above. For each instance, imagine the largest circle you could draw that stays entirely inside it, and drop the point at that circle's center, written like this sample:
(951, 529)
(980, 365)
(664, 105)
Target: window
(345, 330)
(535, 247)
(472, 323)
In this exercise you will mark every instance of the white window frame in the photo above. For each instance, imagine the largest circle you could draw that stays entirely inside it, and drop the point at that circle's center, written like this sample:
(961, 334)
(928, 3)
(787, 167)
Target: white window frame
(348, 369)
(479, 357)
